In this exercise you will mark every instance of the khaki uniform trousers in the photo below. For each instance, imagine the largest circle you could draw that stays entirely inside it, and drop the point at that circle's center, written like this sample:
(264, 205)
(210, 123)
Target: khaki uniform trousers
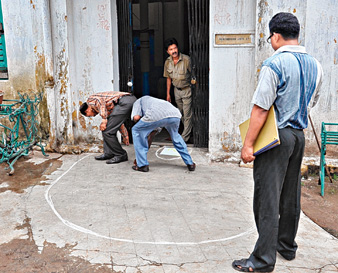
(183, 100)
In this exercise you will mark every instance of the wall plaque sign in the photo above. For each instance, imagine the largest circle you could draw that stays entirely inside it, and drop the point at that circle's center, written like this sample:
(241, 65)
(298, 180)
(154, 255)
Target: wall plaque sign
(241, 39)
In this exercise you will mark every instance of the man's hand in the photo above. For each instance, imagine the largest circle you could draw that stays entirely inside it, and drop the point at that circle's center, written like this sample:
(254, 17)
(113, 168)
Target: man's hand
(247, 154)
(103, 124)
(136, 118)
(257, 120)
(168, 98)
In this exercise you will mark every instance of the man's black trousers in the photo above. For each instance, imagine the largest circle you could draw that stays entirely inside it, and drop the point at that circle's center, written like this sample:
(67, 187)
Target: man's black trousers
(121, 111)
(277, 176)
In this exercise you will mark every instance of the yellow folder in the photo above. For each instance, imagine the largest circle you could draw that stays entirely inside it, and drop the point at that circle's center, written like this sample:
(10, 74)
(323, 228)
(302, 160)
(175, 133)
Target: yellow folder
(267, 138)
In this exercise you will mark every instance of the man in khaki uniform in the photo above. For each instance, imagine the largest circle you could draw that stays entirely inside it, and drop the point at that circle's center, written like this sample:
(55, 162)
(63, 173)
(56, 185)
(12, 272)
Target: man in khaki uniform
(177, 70)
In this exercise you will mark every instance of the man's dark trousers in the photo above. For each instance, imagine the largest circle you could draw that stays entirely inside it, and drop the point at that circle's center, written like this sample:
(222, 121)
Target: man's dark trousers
(277, 176)
(121, 111)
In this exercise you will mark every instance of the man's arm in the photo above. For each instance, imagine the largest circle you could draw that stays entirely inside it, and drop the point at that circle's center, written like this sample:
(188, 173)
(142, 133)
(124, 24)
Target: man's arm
(136, 112)
(168, 89)
(257, 120)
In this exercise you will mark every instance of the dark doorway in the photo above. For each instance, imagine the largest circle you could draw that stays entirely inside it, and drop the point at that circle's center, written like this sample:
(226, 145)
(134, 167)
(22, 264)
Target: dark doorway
(145, 26)
(166, 18)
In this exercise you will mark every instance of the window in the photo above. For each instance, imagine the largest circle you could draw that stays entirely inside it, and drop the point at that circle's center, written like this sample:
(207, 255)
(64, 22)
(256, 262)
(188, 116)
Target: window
(3, 56)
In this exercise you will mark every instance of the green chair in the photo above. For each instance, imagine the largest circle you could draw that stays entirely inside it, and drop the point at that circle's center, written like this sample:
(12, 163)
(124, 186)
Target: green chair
(328, 138)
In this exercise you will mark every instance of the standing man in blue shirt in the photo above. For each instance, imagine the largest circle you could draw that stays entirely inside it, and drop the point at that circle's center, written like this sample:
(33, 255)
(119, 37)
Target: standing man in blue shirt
(289, 80)
(151, 113)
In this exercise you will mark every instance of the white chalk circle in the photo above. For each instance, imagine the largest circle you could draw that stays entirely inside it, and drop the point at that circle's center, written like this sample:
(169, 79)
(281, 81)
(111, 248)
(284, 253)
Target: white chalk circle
(88, 231)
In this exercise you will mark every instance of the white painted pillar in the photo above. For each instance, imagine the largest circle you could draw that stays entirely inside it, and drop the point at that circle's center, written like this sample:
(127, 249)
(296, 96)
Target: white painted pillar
(61, 115)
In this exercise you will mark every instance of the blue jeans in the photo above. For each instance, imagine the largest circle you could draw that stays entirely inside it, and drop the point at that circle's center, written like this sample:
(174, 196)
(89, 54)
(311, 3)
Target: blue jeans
(142, 129)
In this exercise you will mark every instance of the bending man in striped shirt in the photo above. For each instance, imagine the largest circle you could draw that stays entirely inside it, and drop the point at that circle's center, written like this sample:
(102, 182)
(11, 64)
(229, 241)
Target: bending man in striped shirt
(114, 107)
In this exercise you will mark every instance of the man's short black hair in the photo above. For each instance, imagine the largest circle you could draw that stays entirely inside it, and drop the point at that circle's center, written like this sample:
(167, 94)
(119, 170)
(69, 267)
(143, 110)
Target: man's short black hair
(169, 42)
(285, 24)
(83, 108)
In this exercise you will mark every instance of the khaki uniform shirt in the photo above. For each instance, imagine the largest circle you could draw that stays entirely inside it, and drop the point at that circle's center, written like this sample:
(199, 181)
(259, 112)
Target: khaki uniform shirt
(179, 73)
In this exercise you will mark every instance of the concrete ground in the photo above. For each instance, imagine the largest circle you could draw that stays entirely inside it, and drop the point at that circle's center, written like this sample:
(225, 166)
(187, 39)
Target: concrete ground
(166, 220)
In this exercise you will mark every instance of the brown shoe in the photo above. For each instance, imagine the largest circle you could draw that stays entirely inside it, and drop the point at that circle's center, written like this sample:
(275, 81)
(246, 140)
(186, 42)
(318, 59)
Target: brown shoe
(191, 167)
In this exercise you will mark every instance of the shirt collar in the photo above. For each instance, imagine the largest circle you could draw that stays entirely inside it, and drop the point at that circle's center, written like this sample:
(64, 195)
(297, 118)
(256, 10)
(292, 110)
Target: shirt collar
(291, 48)
(179, 58)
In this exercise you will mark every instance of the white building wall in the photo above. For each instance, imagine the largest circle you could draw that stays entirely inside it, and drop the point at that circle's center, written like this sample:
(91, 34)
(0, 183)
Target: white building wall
(234, 70)
(83, 64)
(231, 73)
(67, 50)
(28, 47)
(17, 16)
(321, 40)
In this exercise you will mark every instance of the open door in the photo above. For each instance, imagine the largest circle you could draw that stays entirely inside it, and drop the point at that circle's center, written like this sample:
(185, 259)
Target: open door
(125, 36)
(125, 30)
(198, 18)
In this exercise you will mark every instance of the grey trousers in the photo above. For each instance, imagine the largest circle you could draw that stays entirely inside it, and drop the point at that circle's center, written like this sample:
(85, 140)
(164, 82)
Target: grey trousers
(183, 100)
(277, 177)
(121, 112)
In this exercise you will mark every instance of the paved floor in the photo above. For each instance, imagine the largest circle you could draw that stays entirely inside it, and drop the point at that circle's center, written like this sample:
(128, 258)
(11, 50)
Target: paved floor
(167, 220)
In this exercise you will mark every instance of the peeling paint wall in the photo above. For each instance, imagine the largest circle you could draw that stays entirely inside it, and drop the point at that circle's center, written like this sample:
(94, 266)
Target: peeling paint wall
(232, 85)
(18, 35)
(65, 50)
(68, 50)
(82, 35)
(321, 40)
(28, 46)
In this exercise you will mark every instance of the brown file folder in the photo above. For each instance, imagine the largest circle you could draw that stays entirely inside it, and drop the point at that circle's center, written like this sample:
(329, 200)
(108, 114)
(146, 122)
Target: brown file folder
(268, 136)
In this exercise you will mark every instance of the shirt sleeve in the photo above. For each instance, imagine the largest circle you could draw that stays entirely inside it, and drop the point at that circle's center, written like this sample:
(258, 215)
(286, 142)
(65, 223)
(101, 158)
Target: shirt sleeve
(315, 96)
(137, 110)
(165, 71)
(266, 90)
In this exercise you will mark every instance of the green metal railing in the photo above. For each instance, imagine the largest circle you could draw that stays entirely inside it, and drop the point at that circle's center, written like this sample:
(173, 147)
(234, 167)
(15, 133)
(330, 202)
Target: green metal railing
(18, 129)
(328, 138)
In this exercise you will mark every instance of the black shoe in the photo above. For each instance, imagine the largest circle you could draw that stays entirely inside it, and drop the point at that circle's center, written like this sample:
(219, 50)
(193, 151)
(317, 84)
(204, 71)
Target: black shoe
(117, 159)
(141, 169)
(288, 257)
(245, 265)
(191, 167)
(103, 157)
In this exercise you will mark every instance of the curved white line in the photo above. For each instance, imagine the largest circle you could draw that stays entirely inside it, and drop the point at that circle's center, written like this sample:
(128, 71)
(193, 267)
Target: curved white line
(88, 231)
